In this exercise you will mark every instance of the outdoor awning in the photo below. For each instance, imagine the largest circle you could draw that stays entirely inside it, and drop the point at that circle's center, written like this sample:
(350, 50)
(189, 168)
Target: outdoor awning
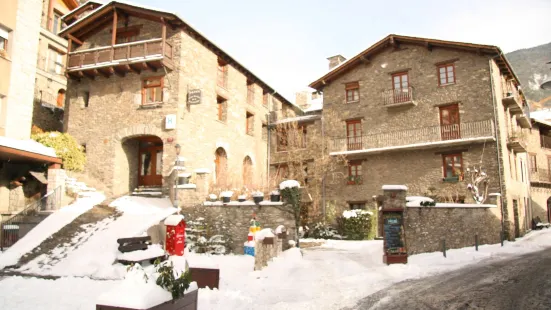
(39, 176)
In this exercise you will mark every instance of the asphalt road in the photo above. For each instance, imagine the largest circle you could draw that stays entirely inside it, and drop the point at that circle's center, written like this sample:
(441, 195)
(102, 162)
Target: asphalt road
(519, 283)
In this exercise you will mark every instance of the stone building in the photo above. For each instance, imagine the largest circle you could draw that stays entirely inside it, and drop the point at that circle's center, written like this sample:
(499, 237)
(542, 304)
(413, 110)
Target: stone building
(421, 112)
(152, 99)
(23, 162)
(51, 83)
(539, 155)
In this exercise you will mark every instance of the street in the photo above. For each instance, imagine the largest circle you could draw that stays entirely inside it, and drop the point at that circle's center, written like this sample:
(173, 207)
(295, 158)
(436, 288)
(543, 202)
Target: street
(519, 283)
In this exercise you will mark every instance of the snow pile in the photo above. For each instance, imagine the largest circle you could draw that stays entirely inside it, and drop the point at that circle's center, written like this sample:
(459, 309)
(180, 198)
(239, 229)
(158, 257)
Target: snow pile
(226, 194)
(27, 146)
(154, 250)
(264, 233)
(173, 220)
(415, 201)
(212, 197)
(395, 187)
(289, 184)
(258, 194)
(280, 229)
(354, 213)
(48, 227)
(202, 171)
(93, 251)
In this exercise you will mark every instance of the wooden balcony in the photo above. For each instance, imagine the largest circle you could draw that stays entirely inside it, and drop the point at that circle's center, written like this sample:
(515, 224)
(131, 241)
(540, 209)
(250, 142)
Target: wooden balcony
(121, 58)
(418, 138)
(398, 97)
(545, 142)
(517, 142)
(540, 176)
(512, 100)
(524, 118)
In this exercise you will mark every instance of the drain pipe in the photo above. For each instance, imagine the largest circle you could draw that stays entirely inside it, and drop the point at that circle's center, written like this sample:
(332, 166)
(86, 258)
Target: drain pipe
(497, 131)
(322, 160)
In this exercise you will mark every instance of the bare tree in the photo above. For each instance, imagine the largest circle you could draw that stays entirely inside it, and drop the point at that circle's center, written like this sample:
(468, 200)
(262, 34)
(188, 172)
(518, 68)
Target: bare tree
(478, 186)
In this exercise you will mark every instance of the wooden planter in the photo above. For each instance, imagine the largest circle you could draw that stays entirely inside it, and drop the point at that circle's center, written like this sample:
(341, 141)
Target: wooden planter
(205, 277)
(257, 199)
(268, 240)
(188, 302)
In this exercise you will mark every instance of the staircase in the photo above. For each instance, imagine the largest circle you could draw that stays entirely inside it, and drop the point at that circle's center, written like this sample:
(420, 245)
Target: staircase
(78, 188)
(148, 191)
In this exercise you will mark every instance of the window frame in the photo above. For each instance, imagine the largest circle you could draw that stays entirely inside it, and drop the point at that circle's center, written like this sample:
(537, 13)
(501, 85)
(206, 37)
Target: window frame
(250, 93)
(5, 41)
(354, 88)
(57, 63)
(282, 168)
(355, 174)
(354, 203)
(160, 85)
(445, 66)
(265, 99)
(249, 123)
(222, 74)
(222, 114)
(56, 26)
(357, 126)
(452, 156)
(533, 162)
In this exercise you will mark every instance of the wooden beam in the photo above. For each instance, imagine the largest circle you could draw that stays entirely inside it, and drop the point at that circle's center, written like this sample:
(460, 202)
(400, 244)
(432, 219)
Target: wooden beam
(95, 28)
(163, 36)
(134, 69)
(114, 34)
(77, 41)
(69, 48)
(106, 72)
(120, 73)
(88, 75)
(150, 67)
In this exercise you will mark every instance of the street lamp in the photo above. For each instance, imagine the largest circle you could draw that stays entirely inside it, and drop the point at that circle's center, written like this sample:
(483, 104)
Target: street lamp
(547, 84)
(176, 178)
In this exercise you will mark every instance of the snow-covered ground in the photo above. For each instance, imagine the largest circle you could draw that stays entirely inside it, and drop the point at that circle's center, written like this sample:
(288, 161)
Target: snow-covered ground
(331, 276)
(49, 226)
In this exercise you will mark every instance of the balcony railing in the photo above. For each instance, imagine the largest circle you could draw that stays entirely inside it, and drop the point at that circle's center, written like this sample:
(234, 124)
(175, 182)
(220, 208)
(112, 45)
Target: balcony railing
(120, 54)
(513, 100)
(545, 142)
(540, 175)
(418, 137)
(397, 96)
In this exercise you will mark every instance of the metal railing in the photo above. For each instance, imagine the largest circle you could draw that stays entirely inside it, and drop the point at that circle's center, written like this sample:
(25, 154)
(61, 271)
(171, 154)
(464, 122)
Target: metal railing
(398, 95)
(10, 229)
(540, 175)
(467, 130)
(119, 52)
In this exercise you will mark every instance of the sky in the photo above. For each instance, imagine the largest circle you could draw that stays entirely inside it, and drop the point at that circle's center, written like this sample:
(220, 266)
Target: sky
(286, 42)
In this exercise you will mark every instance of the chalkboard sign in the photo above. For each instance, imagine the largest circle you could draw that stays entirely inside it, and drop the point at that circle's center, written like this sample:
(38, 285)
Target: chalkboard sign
(393, 232)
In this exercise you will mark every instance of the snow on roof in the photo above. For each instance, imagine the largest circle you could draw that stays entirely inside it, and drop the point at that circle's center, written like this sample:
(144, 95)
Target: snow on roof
(27, 146)
(174, 219)
(296, 119)
(395, 187)
(315, 105)
(455, 205)
(541, 115)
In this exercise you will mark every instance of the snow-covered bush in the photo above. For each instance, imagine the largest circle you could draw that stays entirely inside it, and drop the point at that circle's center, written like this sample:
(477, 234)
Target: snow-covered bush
(198, 241)
(170, 280)
(322, 230)
(66, 148)
(356, 224)
(290, 191)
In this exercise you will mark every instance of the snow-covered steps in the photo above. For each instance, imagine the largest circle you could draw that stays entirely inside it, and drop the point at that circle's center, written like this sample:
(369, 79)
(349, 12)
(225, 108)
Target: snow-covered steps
(152, 192)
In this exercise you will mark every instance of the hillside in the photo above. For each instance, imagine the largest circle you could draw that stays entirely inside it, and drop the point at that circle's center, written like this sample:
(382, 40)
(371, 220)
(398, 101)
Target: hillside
(530, 65)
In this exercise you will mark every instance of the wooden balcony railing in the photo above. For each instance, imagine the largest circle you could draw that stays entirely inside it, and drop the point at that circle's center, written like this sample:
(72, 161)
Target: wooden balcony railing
(120, 54)
(545, 142)
(422, 136)
(540, 175)
(397, 96)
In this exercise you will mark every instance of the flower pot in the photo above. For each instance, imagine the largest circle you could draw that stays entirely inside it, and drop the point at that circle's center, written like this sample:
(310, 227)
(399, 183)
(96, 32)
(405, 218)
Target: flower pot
(188, 301)
(226, 199)
(241, 199)
(275, 198)
(258, 199)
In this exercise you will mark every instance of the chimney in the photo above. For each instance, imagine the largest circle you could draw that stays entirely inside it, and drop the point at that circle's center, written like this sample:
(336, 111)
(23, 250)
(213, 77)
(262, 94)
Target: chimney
(315, 95)
(302, 99)
(335, 61)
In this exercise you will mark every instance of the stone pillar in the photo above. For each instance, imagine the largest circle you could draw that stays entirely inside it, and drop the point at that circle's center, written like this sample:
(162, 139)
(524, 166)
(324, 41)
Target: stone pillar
(394, 216)
(264, 251)
(56, 178)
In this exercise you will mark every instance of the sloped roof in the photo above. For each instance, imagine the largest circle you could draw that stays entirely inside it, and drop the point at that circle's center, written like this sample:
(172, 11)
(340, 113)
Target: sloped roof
(174, 20)
(395, 40)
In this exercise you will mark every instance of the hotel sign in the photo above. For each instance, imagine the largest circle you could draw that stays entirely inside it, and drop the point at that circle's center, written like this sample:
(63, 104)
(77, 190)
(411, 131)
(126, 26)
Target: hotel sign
(194, 96)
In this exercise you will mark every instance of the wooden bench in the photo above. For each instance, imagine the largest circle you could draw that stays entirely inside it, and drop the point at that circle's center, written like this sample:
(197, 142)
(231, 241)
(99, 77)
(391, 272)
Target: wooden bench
(127, 245)
(538, 224)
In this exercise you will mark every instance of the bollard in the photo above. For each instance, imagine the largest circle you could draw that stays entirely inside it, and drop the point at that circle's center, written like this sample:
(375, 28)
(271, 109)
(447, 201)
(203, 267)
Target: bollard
(444, 247)
(476, 241)
(501, 237)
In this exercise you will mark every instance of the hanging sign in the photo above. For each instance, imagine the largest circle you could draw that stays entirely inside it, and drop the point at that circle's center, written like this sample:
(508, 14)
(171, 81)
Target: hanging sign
(194, 96)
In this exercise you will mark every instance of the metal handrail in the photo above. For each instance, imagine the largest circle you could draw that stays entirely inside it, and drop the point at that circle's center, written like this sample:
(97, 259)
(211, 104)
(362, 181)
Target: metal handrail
(9, 229)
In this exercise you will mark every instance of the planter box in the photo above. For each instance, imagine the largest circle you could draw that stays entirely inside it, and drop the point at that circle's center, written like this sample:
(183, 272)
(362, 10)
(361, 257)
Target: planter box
(205, 277)
(268, 240)
(226, 199)
(188, 302)
(275, 198)
(257, 200)
(241, 200)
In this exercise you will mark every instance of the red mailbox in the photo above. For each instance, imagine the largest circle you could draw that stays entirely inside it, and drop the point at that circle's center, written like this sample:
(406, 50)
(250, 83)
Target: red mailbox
(175, 235)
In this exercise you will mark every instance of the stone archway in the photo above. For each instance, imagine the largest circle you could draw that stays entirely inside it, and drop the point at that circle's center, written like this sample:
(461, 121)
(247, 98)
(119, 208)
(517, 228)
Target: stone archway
(221, 167)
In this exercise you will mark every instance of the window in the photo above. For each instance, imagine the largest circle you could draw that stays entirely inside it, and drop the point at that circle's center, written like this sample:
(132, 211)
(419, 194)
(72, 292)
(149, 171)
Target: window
(250, 123)
(352, 92)
(83, 148)
(400, 86)
(54, 63)
(250, 92)
(446, 74)
(264, 132)
(522, 170)
(247, 172)
(265, 98)
(450, 127)
(128, 34)
(86, 98)
(453, 166)
(60, 98)
(533, 163)
(222, 106)
(222, 77)
(354, 172)
(221, 166)
(4, 34)
(56, 22)
(356, 205)
(292, 136)
(354, 134)
(152, 90)
(282, 172)
(282, 139)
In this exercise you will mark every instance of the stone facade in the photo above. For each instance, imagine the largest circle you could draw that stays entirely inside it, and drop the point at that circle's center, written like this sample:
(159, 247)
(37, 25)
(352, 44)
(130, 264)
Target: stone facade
(234, 221)
(539, 152)
(478, 90)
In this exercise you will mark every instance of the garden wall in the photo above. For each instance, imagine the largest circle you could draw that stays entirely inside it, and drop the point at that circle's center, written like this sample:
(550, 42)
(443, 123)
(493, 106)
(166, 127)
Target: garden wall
(233, 221)
(426, 227)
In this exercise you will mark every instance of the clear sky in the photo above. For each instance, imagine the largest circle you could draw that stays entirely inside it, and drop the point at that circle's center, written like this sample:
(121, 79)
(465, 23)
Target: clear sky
(286, 42)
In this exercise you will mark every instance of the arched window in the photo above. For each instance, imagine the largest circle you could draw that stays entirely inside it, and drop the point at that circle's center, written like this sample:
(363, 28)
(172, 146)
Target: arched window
(61, 98)
(247, 172)
(221, 166)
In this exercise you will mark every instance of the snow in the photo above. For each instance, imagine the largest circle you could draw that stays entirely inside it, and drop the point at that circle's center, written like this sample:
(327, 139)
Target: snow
(213, 203)
(494, 194)
(264, 233)
(9, 227)
(270, 203)
(541, 116)
(202, 171)
(280, 229)
(395, 187)
(354, 213)
(154, 250)
(258, 194)
(275, 192)
(48, 227)
(213, 197)
(289, 184)
(296, 119)
(173, 220)
(184, 175)
(417, 204)
(242, 197)
(27, 146)
(226, 194)
(186, 186)
(80, 257)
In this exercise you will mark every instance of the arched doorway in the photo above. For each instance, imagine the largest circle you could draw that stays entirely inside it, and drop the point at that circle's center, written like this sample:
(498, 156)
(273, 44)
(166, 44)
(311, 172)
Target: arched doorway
(247, 172)
(221, 166)
(60, 101)
(150, 161)
(549, 210)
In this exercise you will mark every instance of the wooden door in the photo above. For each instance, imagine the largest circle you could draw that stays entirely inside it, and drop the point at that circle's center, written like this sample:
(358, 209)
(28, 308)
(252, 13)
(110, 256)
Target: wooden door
(400, 86)
(150, 167)
(449, 122)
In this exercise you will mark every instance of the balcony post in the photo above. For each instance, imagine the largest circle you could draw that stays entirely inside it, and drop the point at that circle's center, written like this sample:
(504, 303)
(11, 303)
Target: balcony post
(163, 36)
(114, 34)
(68, 55)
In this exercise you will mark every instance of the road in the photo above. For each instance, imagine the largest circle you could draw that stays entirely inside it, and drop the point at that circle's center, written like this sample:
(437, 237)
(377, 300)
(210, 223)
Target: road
(520, 283)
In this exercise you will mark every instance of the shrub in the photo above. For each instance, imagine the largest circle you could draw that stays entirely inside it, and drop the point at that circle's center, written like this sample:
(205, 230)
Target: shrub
(323, 231)
(356, 224)
(66, 148)
(198, 240)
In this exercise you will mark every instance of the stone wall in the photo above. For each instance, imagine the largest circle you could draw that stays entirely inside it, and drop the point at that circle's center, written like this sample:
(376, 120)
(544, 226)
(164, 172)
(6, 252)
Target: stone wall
(235, 221)
(426, 227)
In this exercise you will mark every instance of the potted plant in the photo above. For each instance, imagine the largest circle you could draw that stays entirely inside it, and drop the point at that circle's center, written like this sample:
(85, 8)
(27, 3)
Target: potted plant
(213, 197)
(226, 196)
(258, 197)
(354, 180)
(275, 196)
(241, 198)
